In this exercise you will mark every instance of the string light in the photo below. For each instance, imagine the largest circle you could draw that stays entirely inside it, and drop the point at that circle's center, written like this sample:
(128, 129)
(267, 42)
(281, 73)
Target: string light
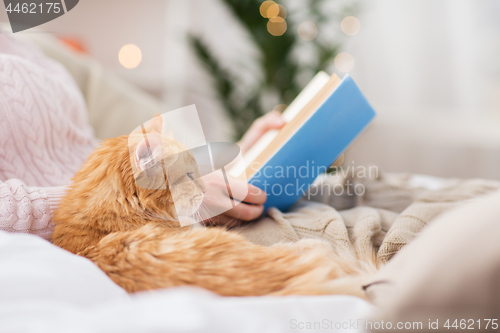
(350, 25)
(130, 56)
(344, 62)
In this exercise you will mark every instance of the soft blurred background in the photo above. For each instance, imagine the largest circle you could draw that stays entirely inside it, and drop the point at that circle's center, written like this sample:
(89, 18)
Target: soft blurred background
(430, 68)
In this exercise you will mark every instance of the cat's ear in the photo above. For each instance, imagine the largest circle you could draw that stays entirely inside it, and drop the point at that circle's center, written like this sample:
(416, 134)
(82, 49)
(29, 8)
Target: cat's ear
(150, 151)
(155, 125)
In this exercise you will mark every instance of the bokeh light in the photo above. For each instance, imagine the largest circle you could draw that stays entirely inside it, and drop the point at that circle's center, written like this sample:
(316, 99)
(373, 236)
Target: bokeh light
(282, 13)
(344, 62)
(130, 56)
(276, 26)
(273, 10)
(307, 30)
(350, 25)
(264, 8)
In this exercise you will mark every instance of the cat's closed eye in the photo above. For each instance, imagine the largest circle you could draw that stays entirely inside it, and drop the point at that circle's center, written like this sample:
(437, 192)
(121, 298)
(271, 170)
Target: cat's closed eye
(190, 175)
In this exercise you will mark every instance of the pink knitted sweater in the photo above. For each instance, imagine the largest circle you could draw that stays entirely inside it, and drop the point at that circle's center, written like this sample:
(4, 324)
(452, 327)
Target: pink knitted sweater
(44, 136)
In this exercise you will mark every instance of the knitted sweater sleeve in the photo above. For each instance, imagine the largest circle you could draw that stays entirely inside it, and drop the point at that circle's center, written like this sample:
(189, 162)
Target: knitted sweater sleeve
(28, 209)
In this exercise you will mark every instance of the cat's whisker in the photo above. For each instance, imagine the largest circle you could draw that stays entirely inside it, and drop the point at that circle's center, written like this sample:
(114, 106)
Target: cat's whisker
(208, 210)
(203, 211)
(208, 215)
(198, 213)
(198, 216)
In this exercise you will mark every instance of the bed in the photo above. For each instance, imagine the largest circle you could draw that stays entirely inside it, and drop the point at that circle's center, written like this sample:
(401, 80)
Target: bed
(46, 289)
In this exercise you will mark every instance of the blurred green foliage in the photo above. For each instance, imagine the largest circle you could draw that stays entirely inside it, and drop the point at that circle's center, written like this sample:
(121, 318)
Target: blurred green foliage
(279, 67)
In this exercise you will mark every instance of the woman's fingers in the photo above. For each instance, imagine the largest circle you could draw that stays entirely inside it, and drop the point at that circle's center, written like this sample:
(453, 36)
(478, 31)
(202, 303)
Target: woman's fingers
(255, 195)
(242, 191)
(271, 120)
(245, 212)
(248, 198)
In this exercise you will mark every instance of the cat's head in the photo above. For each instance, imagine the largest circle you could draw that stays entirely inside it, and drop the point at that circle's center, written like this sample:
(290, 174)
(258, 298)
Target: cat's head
(132, 180)
(161, 164)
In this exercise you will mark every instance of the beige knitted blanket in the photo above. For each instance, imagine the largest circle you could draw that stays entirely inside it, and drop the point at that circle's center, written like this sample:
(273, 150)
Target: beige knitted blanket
(389, 214)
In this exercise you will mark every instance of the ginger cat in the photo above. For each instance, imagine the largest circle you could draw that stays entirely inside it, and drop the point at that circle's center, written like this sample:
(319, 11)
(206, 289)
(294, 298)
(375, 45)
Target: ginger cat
(134, 236)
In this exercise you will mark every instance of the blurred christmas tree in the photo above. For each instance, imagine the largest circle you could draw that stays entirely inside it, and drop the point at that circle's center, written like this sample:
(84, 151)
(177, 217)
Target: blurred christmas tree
(278, 34)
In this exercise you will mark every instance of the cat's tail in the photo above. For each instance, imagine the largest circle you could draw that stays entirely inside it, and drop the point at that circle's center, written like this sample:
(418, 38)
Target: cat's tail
(338, 272)
(153, 257)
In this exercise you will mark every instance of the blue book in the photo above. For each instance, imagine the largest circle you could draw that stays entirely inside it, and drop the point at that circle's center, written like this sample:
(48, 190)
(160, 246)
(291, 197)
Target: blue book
(321, 123)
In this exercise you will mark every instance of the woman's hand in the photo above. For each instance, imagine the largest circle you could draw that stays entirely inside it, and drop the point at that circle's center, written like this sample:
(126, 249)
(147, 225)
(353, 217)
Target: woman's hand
(246, 201)
(249, 199)
(271, 120)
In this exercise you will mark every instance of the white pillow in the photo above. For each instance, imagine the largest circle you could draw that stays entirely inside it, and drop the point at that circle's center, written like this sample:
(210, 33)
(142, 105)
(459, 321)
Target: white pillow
(34, 269)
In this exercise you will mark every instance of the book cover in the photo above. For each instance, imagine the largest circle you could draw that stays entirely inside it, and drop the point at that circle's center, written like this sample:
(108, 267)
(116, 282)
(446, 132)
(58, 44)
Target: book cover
(315, 145)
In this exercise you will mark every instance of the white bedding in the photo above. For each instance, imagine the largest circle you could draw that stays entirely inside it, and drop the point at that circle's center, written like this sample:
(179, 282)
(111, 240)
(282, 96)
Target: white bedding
(46, 289)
